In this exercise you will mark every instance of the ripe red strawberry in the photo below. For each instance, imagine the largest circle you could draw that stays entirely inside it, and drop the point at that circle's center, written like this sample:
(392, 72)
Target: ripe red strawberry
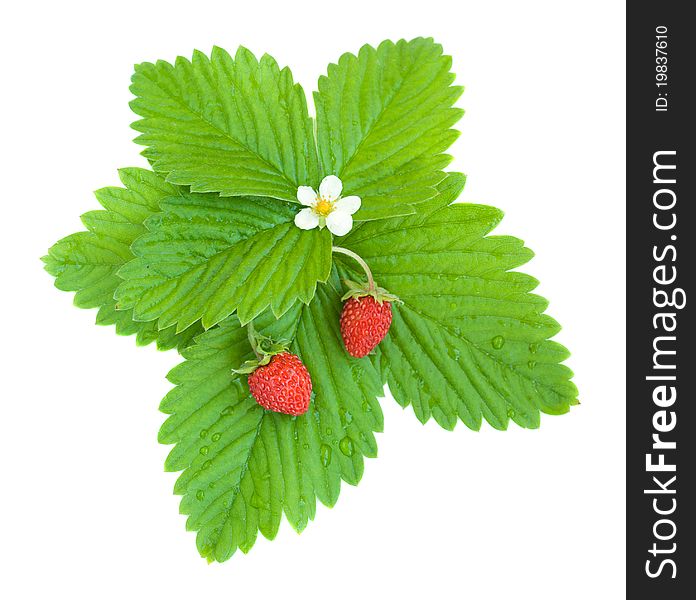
(364, 323)
(283, 385)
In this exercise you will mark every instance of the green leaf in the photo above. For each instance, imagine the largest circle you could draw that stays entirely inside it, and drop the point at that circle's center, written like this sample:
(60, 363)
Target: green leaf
(383, 123)
(234, 126)
(243, 466)
(470, 340)
(87, 262)
(205, 257)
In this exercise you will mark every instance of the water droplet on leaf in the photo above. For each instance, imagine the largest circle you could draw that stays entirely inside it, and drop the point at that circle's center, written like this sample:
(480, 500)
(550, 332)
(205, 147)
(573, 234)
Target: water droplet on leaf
(200, 495)
(346, 416)
(257, 501)
(357, 372)
(204, 450)
(346, 446)
(325, 454)
(216, 437)
(498, 342)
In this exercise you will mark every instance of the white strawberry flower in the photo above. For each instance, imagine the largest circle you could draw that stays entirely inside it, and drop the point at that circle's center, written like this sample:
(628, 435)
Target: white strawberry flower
(327, 208)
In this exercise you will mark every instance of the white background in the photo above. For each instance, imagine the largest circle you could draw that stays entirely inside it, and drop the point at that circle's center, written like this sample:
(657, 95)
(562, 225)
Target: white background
(86, 509)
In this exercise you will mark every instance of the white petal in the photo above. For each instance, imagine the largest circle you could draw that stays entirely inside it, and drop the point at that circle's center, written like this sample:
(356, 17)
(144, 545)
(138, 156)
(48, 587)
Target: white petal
(349, 204)
(306, 195)
(330, 187)
(339, 222)
(306, 219)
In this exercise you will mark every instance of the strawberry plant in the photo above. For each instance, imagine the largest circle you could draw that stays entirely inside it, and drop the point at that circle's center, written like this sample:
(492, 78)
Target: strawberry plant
(298, 265)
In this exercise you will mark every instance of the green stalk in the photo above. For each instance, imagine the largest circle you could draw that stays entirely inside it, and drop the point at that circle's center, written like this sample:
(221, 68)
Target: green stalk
(251, 334)
(360, 261)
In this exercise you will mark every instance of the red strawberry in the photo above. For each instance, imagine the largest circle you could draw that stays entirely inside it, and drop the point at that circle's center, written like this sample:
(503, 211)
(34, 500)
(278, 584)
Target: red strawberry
(364, 323)
(283, 385)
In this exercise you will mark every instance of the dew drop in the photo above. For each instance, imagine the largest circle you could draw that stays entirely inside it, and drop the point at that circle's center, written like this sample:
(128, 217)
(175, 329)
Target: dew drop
(498, 342)
(346, 446)
(228, 410)
(531, 364)
(305, 446)
(204, 433)
(325, 454)
(533, 348)
(257, 501)
(511, 413)
(357, 372)
(453, 305)
(346, 416)
(211, 485)
(366, 406)
(206, 464)
(329, 431)
(204, 450)
(216, 437)
(200, 495)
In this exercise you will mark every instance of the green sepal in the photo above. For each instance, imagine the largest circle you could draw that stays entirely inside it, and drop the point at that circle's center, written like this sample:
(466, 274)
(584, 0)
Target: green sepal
(360, 290)
(249, 366)
(268, 346)
(264, 347)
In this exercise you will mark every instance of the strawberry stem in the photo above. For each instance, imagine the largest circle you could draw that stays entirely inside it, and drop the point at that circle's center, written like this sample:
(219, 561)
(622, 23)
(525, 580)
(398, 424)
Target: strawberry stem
(253, 341)
(360, 261)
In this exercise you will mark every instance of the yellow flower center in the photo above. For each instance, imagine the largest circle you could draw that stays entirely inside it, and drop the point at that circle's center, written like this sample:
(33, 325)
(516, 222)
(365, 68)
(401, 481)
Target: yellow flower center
(323, 207)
